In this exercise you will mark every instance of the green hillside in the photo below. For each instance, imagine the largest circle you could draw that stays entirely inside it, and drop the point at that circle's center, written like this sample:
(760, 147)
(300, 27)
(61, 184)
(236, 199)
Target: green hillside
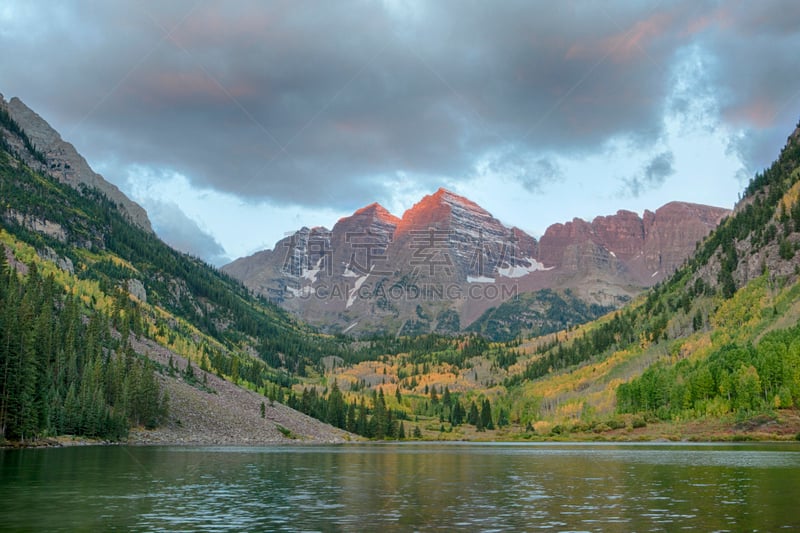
(703, 354)
(57, 373)
(714, 348)
(716, 341)
(78, 278)
(741, 291)
(535, 314)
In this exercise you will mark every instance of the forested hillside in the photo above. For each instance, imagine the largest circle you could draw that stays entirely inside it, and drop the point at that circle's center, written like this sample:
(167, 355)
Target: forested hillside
(715, 343)
(78, 278)
(716, 340)
(79, 282)
(742, 294)
(85, 231)
(65, 373)
(536, 313)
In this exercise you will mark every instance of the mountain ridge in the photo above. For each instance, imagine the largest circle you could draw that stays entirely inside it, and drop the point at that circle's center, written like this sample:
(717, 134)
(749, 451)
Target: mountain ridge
(85, 288)
(448, 241)
(63, 162)
(715, 342)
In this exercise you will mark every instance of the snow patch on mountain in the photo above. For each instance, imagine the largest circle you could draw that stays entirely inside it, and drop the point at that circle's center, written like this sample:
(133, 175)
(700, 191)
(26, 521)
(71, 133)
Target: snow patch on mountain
(312, 273)
(353, 293)
(302, 292)
(520, 270)
(479, 279)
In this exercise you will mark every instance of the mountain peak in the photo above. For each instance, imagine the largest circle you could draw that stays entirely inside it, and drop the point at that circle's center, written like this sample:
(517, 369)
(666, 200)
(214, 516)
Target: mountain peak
(438, 208)
(64, 163)
(379, 212)
(448, 196)
(370, 215)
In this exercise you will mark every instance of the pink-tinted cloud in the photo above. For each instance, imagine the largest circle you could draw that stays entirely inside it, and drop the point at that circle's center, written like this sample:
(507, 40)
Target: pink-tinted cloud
(216, 24)
(758, 113)
(627, 44)
(193, 85)
(720, 17)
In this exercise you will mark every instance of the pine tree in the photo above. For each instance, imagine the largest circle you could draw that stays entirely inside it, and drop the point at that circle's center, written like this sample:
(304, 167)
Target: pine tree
(335, 410)
(473, 417)
(502, 418)
(379, 421)
(457, 414)
(362, 427)
(351, 424)
(188, 374)
(697, 321)
(446, 398)
(486, 415)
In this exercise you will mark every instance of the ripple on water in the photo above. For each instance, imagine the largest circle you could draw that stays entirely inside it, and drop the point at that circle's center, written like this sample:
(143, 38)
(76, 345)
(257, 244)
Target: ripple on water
(398, 489)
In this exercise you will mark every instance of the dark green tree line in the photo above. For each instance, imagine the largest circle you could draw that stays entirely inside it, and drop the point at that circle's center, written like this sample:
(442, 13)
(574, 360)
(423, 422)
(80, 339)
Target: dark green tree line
(61, 371)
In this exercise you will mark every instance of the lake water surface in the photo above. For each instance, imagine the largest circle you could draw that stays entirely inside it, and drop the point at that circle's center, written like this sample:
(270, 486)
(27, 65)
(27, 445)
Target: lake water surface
(404, 487)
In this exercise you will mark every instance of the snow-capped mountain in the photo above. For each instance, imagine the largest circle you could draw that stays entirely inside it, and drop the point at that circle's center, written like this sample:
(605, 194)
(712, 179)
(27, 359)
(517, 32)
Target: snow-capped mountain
(447, 260)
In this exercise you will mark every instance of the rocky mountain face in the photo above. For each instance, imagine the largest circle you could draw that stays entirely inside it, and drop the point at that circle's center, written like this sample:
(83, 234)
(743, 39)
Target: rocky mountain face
(447, 261)
(763, 233)
(648, 248)
(62, 161)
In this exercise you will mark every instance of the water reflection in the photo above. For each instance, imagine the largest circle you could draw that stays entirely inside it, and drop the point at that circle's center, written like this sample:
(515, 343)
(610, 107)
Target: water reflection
(402, 488)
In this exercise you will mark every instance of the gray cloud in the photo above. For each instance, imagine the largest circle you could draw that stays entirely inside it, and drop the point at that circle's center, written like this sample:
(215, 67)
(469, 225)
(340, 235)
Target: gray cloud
(653, 175)
(183, 233)
(314, 103)
(541, 171)
(754, 76)
(532, 172)
(659, 168)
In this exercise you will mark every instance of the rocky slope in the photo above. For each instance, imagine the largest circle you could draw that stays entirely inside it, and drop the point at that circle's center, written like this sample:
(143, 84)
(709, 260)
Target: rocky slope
(63, 162)
(447, 261)
(79, 239)
(220, 413)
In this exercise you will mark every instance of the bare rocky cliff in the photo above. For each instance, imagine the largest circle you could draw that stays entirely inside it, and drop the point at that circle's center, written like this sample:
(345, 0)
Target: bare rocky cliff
(648, 248)
(447, 260)
(672, 231)
(64, 163)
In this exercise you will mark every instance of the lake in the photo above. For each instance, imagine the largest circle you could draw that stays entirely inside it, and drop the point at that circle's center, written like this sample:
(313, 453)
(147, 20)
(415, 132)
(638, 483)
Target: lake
(404, 487)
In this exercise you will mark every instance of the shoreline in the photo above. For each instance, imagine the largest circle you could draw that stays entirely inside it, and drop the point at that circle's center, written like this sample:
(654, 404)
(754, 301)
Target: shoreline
(69, 441)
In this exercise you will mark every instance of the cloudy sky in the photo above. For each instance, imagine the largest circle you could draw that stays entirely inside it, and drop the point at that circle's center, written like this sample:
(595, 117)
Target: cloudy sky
(236, 122)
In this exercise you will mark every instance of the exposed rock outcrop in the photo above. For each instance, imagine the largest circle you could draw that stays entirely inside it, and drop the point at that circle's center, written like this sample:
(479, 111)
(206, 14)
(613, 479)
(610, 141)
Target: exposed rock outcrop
(64, 163)
(221, 413)
(64, 263)
(376, 272)
(672, 231)
(649, 248)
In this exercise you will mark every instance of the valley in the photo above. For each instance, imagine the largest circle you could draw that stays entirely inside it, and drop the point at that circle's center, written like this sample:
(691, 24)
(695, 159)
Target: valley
(619, 329)
(399, 265)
